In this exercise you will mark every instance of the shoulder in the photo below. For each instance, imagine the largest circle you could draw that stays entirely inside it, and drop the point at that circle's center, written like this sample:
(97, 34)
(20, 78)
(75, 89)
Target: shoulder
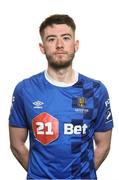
(28, 82)
(96, 86)
(90, 82)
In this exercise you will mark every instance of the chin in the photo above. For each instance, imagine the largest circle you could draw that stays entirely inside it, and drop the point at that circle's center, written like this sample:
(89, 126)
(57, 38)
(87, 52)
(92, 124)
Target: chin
(60, 65)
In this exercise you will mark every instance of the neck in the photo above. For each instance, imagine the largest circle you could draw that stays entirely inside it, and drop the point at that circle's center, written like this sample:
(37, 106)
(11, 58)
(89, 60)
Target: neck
(66, 75)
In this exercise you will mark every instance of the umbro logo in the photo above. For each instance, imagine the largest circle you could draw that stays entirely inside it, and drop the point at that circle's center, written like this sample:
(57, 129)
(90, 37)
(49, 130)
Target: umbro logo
(38, 104)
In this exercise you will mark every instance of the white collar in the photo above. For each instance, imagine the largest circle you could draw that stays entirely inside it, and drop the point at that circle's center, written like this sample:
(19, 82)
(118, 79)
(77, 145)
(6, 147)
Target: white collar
(57, 83)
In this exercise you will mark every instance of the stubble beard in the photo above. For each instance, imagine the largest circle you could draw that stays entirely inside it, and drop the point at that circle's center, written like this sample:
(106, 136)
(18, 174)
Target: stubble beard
(60, 64)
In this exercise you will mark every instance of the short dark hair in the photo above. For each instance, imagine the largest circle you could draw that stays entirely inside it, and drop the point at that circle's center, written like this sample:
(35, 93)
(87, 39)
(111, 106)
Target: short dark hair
(57, 19)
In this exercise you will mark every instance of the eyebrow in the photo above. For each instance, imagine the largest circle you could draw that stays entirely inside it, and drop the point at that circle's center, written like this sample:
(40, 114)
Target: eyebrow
(66, 34)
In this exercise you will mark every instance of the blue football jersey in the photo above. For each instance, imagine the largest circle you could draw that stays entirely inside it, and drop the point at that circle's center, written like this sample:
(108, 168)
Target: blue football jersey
(61, 121)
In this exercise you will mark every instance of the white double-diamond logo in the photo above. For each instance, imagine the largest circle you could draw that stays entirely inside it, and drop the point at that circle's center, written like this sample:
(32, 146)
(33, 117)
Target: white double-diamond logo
(38, 104)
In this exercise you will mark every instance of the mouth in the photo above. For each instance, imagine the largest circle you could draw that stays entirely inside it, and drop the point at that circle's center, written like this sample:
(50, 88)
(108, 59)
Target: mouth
(60, 53)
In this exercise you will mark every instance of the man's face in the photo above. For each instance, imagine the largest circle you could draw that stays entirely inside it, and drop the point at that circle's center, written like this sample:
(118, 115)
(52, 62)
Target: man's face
(59, 45)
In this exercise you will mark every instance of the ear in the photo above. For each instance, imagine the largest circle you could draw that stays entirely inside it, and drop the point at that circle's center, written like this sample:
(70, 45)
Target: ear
(42, 48)
(76, 45)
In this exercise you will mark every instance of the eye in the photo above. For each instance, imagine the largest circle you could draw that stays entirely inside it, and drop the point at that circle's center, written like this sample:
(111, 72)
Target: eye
(51, 39)
(66, 38)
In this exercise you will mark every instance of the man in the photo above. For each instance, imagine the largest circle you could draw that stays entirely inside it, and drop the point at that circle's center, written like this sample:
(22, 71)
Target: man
(63, 111)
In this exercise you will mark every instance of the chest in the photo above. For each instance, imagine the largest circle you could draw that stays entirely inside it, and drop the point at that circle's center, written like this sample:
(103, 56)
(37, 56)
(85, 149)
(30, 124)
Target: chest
(74, 111)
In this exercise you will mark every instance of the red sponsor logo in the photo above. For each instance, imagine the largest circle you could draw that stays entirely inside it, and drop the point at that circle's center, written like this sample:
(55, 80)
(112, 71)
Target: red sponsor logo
(45, 128)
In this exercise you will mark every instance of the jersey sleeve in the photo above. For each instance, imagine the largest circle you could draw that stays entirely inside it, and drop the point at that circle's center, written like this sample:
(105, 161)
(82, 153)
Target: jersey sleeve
(104, 120)
(17, 115)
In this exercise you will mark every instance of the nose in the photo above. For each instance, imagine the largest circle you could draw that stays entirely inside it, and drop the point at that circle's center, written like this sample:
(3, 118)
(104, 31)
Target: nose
(59, 44)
